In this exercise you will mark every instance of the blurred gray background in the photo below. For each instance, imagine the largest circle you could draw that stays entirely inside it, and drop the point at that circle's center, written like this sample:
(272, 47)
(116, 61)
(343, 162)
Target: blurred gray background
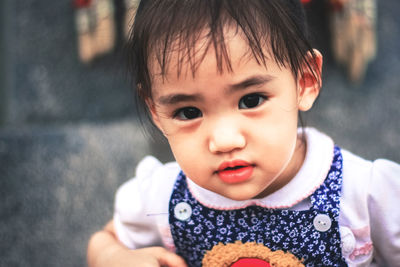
(69, 134)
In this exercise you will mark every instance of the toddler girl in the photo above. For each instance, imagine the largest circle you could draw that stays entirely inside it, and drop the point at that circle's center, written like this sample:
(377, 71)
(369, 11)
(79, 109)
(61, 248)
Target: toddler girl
(224, 81)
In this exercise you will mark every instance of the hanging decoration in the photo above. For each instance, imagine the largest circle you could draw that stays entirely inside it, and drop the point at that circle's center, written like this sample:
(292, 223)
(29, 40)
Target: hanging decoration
(95, 25)
(353, 34)
(352, 27)
(353, 31)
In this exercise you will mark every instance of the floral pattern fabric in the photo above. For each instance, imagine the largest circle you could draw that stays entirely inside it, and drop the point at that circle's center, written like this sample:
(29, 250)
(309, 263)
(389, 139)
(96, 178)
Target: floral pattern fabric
(278, 229)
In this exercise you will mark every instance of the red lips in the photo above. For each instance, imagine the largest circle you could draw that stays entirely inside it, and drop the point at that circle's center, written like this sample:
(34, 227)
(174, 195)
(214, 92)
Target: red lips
(236, 171)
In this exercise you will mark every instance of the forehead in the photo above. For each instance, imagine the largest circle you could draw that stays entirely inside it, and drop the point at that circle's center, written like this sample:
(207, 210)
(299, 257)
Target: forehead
(246, 72)
(185, 59)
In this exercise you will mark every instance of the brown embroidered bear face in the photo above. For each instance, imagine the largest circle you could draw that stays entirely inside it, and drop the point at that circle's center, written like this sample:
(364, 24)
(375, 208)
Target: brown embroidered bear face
(248, 255)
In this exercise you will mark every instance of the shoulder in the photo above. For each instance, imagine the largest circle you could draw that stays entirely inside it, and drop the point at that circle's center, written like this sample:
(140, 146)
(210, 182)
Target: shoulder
(355, 190)
(368, 208)
(356, 172)
(369, 176)
(386, 171)
(384, 185)
(153, 181)
(141, 204)
(151, 173)
(364, 180)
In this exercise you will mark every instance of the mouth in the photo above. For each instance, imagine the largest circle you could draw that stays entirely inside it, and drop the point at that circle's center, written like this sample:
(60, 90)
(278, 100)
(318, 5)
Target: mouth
(236, 171)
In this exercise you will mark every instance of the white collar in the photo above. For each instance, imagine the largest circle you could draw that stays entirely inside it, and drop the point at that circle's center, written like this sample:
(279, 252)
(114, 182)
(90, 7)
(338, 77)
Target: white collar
(311, 175)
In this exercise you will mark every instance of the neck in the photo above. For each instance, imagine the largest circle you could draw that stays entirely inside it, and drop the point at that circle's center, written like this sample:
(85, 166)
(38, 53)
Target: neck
(291, 169)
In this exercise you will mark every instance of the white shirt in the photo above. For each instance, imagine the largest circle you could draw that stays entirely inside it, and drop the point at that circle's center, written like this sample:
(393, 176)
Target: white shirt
(369, 220)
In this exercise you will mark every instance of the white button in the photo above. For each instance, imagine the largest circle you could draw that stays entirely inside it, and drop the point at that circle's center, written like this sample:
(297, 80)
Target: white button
(348, 240)
(182, 211)
(322, 222)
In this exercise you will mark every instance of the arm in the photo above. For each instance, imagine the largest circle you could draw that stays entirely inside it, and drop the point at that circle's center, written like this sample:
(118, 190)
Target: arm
(383, 202)
(104, 249)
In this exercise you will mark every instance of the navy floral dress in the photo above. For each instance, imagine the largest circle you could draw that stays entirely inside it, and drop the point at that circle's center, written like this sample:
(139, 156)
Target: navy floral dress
(312, 235)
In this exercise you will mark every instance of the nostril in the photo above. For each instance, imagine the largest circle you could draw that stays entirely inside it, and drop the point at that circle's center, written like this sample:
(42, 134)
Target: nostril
(226, 142)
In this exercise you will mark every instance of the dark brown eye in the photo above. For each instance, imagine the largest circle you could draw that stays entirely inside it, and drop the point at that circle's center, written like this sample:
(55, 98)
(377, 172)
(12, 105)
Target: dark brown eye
(188, 113)
(251, 101)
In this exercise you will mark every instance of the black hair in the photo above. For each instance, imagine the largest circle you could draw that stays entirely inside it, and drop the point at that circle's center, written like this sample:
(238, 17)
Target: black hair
(163, 26)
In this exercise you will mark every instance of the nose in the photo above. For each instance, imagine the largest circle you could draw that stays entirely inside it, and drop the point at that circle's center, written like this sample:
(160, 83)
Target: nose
(226, 136)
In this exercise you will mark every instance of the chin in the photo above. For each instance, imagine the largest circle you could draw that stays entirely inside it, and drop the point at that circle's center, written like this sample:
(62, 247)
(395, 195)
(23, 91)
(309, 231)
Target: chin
(242, 197)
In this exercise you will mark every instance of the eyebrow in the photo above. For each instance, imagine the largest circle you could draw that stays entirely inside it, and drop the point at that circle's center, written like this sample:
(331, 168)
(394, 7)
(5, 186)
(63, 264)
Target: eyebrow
(173, 99)
(256, 80)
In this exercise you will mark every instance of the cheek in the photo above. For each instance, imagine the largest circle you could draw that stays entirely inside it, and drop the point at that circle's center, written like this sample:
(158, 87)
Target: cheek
(276, 140)
(275, 123)
(185, 149)
(191, 157)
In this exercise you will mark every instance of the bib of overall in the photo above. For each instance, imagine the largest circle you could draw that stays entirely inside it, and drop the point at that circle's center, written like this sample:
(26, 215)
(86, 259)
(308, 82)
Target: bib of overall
(312, 235)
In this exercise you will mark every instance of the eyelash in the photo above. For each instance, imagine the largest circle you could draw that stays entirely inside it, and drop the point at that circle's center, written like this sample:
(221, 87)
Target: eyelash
(194, 113)
(178, 114)
(261, 99)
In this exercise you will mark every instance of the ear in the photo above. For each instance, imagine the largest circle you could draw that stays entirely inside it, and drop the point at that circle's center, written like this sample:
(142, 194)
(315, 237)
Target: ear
(154, 116)
(309, 81)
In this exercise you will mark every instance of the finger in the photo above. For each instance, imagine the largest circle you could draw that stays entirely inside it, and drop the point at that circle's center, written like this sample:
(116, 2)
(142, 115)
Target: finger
(167, 258)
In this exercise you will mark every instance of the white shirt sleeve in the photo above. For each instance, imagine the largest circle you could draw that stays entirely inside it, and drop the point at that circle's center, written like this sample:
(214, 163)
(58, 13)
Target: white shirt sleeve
(141, 204)
(369, 209)
(384, 211)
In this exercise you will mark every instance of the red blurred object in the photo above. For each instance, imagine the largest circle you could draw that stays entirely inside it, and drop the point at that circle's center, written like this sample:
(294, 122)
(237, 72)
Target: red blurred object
(250, 262)
(82, 3)
(337, 5)
(305, 1)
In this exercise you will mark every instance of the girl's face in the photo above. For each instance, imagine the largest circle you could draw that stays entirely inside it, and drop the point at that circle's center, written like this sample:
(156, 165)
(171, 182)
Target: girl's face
(234, 133)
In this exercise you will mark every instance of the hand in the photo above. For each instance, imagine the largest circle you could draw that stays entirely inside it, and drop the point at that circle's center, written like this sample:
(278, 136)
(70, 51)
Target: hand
(105, 250)
(153, 257)
(145, 257)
